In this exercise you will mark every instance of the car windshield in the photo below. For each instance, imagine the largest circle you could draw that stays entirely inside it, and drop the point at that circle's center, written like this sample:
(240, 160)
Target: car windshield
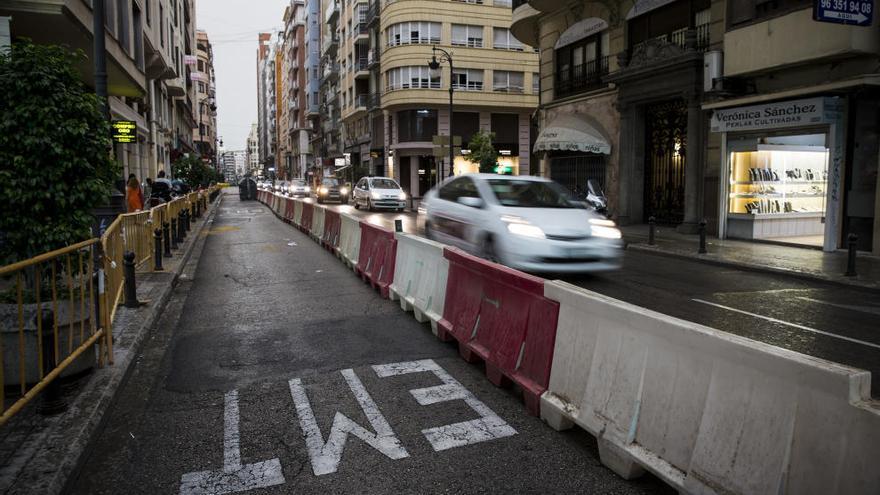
(298, 183)
(330, 182)
(530, 194)
(384, 184)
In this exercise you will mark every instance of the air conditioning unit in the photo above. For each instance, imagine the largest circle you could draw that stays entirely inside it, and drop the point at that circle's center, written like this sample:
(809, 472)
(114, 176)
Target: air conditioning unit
(713, 70)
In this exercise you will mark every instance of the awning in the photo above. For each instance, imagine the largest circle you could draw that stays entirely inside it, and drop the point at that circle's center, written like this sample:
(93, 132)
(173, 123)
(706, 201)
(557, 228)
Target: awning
(571, 132)
(645, 6)
(580, 30)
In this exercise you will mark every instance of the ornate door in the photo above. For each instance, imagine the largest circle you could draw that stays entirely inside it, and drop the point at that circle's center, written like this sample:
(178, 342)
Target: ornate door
(665, 151)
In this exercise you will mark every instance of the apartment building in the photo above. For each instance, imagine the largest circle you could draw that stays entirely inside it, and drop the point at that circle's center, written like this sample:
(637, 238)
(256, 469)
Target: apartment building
(252, 157)
(313, 32)
(266, 101)
(205, 132)
(754, 116)
(293, 129)
(327, 135)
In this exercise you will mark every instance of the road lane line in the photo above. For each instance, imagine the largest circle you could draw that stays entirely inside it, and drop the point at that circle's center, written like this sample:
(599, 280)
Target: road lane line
(795, 325)
(489, 426)
(325, 456)
(233, 477)
(862, 309)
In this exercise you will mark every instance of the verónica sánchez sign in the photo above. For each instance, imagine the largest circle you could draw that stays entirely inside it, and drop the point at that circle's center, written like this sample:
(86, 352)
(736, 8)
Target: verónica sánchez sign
(852, 12)
(795, 113)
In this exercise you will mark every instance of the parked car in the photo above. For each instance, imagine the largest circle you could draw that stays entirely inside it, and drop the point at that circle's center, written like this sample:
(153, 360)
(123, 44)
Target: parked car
(298, 189)
(528, 223)
(379, 192)
(329, 190)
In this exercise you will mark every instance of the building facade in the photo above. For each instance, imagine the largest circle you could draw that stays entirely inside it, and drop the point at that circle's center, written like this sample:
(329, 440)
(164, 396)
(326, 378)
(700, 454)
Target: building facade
(205, 133)
(252, 157)
(266, 102)
(658, 102)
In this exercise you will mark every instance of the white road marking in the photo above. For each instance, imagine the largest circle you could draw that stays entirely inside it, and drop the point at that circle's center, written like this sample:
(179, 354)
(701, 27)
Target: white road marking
(863, 309)
(325, 456)
(489, 427)
(795, 325)
(234, 477)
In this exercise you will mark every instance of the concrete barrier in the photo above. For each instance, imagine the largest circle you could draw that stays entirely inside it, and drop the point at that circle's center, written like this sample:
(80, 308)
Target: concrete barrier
(332, 224)
(349, 240)
(317, 230)
(705, 410)
(376, 258)
(420, 273)
(297, 212)
(501, 316)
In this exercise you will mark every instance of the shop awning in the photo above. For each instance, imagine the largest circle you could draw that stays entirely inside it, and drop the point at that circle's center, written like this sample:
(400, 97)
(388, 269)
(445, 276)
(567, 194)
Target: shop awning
(570, 132)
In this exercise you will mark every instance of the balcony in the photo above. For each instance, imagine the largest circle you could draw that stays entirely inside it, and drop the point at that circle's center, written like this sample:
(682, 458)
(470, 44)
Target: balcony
(373, 13)
(361, 68)
(360, 32)
(330, 73)
(374, 101)
(581, 78)
(330, 44)
(332, 13)
(524, 23)
(373, 59)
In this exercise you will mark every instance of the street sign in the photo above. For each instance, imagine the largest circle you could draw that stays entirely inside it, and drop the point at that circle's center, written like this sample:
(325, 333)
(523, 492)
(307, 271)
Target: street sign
(852, 12)
(124, 131)
(441, 140)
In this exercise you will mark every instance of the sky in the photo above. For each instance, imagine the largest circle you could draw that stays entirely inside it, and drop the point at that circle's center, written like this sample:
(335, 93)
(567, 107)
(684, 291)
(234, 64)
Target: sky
(232, 27)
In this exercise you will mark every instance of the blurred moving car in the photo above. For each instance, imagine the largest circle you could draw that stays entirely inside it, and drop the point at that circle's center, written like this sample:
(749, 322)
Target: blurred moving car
(329, 190)
(298, 189)
(528, 223)
(379, 192)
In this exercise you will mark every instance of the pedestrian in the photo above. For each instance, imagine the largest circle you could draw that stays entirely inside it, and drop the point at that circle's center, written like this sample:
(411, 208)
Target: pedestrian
(162, 178)
(134, 195)
(148, 187)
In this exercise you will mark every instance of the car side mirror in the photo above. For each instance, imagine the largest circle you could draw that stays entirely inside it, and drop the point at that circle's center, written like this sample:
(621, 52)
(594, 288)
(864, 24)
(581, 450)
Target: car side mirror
(472, 202)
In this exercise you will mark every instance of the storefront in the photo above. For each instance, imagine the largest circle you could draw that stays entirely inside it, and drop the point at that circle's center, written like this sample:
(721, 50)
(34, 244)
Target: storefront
(784, 169)
(576, 150)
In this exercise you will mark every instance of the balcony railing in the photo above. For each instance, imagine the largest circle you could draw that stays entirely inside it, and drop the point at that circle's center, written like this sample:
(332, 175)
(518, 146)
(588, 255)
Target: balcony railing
(332, 12)
(374, 101)
(468, 86)
(361, 100)
(581, 78)
(359, 29)
(373, 13)
(362, 64)
(372, 58)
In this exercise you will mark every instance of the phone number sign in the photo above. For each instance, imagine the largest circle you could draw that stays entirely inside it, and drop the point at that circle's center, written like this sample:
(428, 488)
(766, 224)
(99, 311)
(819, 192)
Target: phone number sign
(853, 12)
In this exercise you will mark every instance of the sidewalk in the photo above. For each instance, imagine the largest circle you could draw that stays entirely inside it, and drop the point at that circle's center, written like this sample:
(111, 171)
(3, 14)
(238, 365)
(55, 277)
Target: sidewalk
(806, 263)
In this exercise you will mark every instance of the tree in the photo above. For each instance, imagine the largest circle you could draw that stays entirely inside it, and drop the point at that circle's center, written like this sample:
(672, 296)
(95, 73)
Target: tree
(483, 152)
(55, 164)
(192, 170)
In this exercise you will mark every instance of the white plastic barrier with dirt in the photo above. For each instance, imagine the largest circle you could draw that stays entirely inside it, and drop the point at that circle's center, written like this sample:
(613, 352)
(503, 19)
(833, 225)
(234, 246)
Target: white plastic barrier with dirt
(349, 240)
(420, 274)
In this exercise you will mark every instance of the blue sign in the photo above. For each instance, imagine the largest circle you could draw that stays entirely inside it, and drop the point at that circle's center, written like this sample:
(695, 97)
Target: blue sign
(854, 12)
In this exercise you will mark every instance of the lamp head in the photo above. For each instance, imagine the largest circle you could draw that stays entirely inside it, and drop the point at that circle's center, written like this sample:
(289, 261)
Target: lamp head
(434, 65)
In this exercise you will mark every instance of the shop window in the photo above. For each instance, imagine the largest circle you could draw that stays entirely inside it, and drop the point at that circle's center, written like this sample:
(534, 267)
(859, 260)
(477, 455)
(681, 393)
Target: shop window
(465, 35)
(742, 12)
(507, 82)
(467, 79)
(466, 124)
(581, 65)
(670, 24)
(416, 125)
(506, 129)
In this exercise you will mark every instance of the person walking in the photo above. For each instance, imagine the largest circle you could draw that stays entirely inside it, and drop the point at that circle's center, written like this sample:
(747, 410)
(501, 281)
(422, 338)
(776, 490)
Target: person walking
(134, 195)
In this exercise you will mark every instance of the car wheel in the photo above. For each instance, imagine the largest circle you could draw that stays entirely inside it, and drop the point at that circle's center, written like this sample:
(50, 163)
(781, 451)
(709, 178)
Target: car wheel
(488, 250)
(369, 205)
(357, 204)
(429, 233)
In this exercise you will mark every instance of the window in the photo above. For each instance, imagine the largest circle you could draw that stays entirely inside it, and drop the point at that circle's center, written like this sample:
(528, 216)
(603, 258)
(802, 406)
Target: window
(502, 3)
(536, 83)
(415, 77)
(504, 40)
(466, 125)
(477, 2)
(520, 193)
(745, 11)
(465, 35)
(507, 82)
(468, 79)
(463, 187)
(670, 23)
(408, 33)
(161, 25)
(416, 125)
(581, 65)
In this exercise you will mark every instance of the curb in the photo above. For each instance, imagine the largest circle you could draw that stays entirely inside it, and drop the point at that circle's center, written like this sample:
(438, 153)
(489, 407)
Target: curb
(57, 454)
(710, 259)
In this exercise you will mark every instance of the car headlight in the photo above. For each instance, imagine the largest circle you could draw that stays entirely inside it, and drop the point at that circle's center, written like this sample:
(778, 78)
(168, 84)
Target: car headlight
(521, 226)
(605, 232)
(376, 195)
(343, 191)
(307, 189)
(322, 190)
(602, 222)
(402, 196)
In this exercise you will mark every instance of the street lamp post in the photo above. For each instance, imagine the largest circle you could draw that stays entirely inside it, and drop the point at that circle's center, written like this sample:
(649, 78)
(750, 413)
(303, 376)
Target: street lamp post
(434, 65)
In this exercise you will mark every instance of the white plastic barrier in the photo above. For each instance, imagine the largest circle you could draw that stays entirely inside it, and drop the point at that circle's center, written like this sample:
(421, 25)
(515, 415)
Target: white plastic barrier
(349, 240)
(297, 212)
(420, 273)
(707, 411)
(317, 229)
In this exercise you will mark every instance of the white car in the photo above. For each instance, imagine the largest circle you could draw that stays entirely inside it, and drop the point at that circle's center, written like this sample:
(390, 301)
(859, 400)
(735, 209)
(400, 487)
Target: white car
(298, 188)
(379, 192)
(528, 223)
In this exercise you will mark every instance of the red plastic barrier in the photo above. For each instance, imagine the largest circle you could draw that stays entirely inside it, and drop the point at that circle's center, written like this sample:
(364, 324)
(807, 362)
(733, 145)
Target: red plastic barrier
(332, 226)
(501, 316)
(288, 210)
(378, 252)
(305, 223)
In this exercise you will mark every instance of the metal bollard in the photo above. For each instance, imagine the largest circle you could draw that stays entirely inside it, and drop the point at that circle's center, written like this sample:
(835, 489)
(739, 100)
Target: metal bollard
(188, 219)
(398, 225)
(181, 227)
(157, 250)
(166, 237)
(702, 249)
(851, 241)
(129, 282)
(174, 233)
(652, 229)
(51, 399)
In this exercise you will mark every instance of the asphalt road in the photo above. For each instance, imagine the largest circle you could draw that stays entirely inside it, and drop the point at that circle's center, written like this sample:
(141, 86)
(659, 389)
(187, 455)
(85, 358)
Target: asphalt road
(823, 320)
(268, 372)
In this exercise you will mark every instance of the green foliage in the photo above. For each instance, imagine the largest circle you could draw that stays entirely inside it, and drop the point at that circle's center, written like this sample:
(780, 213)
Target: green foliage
(55, 165)
(483, 152)
(192, 170)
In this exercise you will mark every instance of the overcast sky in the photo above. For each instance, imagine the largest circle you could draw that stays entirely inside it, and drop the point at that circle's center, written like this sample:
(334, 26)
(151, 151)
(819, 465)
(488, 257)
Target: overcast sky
(232, 27)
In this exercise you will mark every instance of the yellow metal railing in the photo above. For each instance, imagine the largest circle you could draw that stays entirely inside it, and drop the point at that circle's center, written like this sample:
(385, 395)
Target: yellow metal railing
(61, 282)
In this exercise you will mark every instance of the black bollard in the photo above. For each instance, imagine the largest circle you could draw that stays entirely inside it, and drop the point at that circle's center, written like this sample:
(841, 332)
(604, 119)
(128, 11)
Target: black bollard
(174, 233)
(702, 249)
(157, 250)
(51, 399)
(166, 236)
(851, 241)
(181, 227)
(652, 229)
(129, 283)
(398, 225)
(188, 215)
